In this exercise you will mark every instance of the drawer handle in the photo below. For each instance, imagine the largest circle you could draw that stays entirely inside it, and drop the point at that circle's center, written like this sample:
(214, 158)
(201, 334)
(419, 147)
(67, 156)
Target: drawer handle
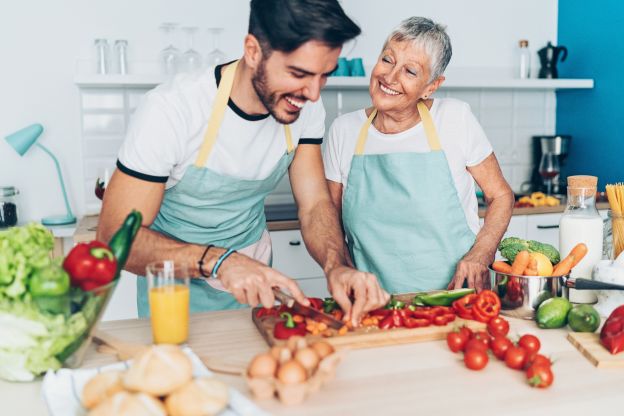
(547, 227)
(294, 242)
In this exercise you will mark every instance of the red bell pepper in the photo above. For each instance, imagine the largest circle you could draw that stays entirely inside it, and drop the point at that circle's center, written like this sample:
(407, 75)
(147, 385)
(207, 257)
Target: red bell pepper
(288, 327)
(416, 322)
(90, 265)
(486, 306)
(316, 303)
(612, 333)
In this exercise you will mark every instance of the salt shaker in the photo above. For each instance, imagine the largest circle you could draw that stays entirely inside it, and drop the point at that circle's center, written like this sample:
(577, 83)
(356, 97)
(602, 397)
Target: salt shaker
(121, 61)
(101, 56)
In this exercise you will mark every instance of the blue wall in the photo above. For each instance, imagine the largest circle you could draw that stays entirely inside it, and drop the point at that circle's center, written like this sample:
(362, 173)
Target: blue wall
(593, 32)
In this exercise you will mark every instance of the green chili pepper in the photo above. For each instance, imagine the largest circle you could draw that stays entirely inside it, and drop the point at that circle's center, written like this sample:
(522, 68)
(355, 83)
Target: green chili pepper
(442, 298)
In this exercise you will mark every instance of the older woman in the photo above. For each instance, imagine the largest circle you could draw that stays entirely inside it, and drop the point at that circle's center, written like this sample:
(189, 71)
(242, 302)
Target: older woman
(402, 172)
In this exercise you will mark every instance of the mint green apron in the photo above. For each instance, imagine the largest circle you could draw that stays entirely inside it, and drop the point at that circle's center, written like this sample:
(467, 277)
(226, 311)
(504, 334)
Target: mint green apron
(207, 207)
(402, 215)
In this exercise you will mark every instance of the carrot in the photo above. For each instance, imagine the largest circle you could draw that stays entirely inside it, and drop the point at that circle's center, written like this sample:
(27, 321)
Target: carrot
(520, 263)
(576, 255)
(531, 269)
(501, 266)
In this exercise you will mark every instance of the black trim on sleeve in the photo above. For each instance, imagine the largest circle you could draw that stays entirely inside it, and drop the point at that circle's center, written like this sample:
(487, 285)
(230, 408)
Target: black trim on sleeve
(307, 140)
(139, 175)
(232, 105)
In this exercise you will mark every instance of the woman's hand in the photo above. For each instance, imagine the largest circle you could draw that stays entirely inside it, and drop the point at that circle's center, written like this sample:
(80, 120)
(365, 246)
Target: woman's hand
(473, 268)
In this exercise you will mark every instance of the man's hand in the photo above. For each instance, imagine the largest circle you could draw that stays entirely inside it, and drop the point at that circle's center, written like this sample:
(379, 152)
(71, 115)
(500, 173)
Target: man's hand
(251, 281)
(368, 295)
(473, 267)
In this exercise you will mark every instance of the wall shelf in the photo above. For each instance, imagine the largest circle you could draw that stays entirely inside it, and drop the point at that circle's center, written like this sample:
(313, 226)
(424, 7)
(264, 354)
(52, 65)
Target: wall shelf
(354, 83)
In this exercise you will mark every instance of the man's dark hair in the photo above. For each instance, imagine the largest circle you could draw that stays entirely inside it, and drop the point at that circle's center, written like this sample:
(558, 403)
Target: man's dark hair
(285, 25)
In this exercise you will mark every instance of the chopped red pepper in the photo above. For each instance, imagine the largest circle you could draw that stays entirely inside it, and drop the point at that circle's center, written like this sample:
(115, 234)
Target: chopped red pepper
(612, 333)
(416, 322)
(288, 327)
(464, 305)
(90, 265)
(316, 303)
(486, 306)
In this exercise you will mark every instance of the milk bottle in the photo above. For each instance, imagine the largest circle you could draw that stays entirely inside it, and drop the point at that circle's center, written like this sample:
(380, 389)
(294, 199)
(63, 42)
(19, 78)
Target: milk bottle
(581, 223)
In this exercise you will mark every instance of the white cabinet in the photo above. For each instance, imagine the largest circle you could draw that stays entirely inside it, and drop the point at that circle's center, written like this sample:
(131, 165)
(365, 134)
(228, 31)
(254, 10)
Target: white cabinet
(517, 227)
(291, 257)
(544, 228)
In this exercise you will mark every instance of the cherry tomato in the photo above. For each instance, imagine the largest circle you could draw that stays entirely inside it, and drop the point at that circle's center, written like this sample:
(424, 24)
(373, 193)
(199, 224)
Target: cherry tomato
(530, 343)
(500, 345)
(456, 341)
(475, 344)
(515, 357)
(498, 326)
(540, 359)
(540, 375)
(475, 359)
(483, 337)
(467, 331)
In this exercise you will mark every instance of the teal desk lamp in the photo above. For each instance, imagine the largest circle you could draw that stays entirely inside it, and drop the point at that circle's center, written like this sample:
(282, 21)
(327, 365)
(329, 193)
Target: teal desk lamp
(21, 141)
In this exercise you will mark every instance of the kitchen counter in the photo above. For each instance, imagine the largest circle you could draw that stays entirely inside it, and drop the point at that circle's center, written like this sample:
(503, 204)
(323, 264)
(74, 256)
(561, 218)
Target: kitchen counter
(424, 377)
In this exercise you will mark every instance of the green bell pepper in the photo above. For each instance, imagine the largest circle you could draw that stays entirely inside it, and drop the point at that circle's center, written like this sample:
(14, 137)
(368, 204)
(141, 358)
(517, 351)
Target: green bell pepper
(442, 298)
(49, 289)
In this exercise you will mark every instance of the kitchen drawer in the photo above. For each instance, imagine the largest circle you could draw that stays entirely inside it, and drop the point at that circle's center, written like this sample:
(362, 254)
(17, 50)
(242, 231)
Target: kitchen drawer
(544, 228)
(291, 257)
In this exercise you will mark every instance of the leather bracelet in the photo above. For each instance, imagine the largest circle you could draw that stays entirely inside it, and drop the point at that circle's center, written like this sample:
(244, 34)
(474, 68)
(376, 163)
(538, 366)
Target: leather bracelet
(220, 260)
(200, 263)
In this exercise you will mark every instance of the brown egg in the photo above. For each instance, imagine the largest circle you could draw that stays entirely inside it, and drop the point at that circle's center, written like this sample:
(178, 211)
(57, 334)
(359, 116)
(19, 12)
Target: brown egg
(322, 348)
(262, 366)
(281, 354)
(291, 372)
(309, 358)
(296, 342)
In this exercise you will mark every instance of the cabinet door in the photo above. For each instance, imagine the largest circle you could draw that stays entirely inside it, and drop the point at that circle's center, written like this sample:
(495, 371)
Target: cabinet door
(291, 257)
(517, 227)
(544, 228)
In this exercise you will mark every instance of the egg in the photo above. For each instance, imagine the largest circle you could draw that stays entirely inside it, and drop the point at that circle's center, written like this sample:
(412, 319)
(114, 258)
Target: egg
(262, 366)
(296, 342)
(281, 354)
(309, 358)
(291, 372)
(322, 348)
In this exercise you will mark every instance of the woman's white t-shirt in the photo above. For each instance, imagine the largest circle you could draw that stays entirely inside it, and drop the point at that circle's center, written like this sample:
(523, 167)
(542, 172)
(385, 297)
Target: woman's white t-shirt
(461, 137)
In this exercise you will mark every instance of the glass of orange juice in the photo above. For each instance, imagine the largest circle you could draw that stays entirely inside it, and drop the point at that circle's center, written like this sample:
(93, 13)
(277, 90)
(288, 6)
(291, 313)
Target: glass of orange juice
(168, 294)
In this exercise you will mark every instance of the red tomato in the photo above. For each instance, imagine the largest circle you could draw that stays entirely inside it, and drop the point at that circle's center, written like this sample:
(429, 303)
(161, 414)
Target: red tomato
(475, 359)
(498, 326)
(500, 345)
(467, 331)
(456, 341)
(475, 344)
(483, 337)
(540, 376)
(540, 359)
(515, 357)
(530, 343)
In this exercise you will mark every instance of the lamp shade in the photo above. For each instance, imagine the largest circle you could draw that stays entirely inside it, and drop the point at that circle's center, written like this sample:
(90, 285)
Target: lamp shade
(22, 139)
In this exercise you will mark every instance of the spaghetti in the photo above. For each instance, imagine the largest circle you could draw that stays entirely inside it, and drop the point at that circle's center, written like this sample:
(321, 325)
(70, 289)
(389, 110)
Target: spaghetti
(615, 194)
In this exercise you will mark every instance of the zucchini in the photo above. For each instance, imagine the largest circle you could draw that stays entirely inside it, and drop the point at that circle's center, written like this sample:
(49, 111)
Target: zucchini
(121, 242)
(442, 298)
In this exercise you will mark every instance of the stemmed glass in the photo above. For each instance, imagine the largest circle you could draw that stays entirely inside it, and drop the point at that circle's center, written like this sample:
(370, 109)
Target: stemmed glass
(549, 169)
(170, 55)
(217, 56)
(191, 59)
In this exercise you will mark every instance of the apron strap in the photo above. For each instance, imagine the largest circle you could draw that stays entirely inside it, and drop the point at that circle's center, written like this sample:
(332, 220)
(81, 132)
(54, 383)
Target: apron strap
(425, 117)
(218, 111)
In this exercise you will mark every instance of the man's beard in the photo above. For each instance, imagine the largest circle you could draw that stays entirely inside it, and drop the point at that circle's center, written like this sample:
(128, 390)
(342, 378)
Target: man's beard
(270, 99)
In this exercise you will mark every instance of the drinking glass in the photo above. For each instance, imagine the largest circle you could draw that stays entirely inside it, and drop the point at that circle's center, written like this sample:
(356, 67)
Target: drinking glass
(169, 298)
(217, 56)
(191, 59)
(170, 55)
(549, 169)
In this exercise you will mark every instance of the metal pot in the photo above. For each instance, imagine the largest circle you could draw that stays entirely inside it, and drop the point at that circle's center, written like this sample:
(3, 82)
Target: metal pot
(521, 295)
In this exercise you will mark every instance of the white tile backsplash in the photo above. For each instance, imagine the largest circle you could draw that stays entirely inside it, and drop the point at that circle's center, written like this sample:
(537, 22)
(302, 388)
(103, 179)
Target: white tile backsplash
(509, 118)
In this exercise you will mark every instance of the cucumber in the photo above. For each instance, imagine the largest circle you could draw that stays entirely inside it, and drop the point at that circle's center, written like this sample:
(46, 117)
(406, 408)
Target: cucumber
(121, 243)
(443, 298)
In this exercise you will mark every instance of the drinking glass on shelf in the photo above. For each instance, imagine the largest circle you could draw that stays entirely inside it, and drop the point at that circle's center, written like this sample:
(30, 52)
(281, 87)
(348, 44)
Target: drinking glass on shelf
(191, 59)
(169, 298)
(549, 170)
(170, 55)
(216, 56)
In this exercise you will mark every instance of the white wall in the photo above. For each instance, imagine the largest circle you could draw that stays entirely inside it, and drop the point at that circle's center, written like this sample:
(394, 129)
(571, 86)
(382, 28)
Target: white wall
(41, 41)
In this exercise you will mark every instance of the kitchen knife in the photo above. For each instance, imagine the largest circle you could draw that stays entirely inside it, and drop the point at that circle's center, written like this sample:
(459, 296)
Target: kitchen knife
(286, 299)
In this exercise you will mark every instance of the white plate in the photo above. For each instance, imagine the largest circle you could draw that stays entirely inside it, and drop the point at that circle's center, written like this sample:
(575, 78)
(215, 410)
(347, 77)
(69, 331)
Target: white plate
(62, 389)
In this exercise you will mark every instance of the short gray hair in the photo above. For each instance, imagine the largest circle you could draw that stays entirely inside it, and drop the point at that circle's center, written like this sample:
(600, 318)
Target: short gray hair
(428, 34)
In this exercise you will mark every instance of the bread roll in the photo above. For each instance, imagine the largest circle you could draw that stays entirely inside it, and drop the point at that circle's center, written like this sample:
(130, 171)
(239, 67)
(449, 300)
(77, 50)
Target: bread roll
(200, 397)
(101, 387)
(129, 404)
(159, 370)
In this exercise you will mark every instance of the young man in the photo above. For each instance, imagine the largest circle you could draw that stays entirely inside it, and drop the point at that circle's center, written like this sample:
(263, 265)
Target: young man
(203, 151)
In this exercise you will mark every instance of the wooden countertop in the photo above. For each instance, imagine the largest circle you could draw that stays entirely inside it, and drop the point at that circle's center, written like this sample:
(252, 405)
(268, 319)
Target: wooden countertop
(424, 377)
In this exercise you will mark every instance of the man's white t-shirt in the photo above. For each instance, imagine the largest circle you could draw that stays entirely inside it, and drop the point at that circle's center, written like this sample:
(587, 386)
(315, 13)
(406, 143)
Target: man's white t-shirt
(167, 131)
(461, 137)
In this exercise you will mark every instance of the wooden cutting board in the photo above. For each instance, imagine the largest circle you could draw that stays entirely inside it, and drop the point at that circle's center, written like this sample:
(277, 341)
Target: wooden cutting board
(371, 336)
(589, 345)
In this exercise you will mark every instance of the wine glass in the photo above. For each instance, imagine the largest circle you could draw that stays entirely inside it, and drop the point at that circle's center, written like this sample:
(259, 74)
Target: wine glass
(170, 55)
(549, 169)
(217, 56)
(191, 59)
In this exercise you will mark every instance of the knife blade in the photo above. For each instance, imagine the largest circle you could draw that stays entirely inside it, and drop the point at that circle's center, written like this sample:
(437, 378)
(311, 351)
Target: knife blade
(312, 313)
